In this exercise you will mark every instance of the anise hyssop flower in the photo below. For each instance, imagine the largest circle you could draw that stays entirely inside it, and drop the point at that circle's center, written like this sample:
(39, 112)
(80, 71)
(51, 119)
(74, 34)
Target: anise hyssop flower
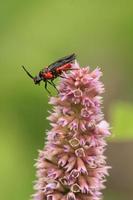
(72, 165)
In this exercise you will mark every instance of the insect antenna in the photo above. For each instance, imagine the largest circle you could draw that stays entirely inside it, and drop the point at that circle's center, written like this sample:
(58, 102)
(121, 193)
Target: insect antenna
(27, 72)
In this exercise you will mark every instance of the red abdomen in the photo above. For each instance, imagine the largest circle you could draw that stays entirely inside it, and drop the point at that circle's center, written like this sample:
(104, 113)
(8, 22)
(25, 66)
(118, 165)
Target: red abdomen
(64, 68)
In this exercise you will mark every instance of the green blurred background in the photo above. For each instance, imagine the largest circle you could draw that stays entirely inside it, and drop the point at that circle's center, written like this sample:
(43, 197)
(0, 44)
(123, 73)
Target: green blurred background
(35, 33)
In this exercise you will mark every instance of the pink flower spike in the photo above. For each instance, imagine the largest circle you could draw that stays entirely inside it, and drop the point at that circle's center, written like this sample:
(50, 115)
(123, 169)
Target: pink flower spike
(72, 165)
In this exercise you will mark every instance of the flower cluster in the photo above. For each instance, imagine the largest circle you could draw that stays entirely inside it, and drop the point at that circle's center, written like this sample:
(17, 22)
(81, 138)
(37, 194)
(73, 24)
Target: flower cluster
(72, 165)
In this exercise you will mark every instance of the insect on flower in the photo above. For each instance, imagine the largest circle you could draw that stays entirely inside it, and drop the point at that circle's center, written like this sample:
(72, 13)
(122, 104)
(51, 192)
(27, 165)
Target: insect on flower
(53, 71)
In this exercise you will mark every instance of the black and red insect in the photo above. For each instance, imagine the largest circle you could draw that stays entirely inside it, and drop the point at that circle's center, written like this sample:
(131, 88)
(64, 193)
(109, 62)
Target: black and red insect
(54, 70)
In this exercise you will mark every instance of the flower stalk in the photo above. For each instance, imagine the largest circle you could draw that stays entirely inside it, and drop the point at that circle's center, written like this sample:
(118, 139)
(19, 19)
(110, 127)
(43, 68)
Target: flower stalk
(72, 165)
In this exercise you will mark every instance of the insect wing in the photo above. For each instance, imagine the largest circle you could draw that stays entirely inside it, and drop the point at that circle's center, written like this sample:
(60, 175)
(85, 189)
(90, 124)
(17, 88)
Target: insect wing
(62, 61)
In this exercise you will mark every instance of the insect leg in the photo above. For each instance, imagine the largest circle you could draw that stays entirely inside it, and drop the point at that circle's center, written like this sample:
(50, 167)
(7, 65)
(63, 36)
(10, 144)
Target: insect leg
(52, 83)
(47, 88)
(62, 76)
(73, 69)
